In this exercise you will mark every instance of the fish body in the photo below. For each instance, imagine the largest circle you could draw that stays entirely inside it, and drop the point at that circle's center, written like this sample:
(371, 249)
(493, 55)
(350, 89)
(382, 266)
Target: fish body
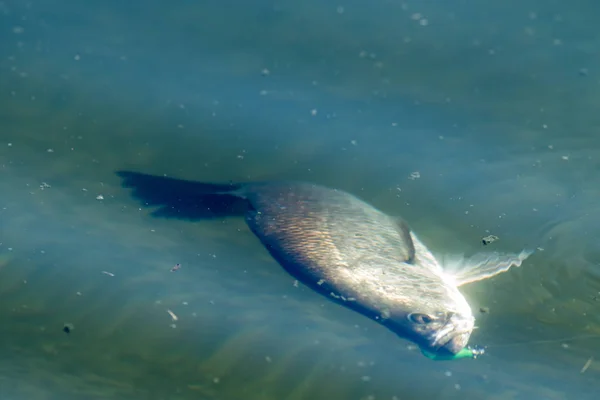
(360, 257)
(364, 259)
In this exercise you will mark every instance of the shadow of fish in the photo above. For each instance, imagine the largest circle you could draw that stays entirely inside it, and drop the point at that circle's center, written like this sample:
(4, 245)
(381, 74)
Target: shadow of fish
(344, 249)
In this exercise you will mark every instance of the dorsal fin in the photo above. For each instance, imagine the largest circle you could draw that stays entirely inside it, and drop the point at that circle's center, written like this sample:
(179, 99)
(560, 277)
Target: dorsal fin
(404, 231)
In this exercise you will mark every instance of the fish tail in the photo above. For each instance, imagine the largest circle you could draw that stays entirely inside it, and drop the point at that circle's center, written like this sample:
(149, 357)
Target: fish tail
(179, 198)
(137, 179)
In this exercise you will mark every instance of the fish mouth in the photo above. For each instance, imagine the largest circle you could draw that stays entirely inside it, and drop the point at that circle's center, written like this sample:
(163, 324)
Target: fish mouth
(454, 342)
(453, 337)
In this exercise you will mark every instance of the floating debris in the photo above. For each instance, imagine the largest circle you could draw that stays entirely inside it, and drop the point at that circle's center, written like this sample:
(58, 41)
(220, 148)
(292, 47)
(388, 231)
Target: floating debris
(173, 316)
(175, 267)
(587, 364)
(484, 310)
(108, 273)
(489, 239)
(414, 175)
(68, 327)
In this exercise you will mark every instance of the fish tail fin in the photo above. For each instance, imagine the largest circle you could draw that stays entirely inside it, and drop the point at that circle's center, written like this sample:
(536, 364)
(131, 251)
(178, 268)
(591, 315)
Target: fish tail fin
(135, 179)
(179, 198)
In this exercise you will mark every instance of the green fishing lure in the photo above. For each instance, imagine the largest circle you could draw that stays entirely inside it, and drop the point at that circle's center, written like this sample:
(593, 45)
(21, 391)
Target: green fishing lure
(467, 352)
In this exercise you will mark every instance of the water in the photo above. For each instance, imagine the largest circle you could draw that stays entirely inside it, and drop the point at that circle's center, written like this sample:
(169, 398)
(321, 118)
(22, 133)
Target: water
(495, 107)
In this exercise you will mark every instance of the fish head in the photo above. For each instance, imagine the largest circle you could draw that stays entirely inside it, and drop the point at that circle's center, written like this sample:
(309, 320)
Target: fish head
(449, 333)
(435, 332)
(435, 316)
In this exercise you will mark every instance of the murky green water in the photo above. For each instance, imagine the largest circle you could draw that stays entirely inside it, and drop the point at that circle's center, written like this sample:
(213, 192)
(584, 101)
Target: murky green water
(495, 106)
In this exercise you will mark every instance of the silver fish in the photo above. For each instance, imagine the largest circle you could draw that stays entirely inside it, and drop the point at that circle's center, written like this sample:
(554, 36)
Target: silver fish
(370, 262)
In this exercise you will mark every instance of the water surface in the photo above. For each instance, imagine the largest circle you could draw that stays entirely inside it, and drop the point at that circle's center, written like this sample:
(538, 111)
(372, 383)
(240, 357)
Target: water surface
(494, 106)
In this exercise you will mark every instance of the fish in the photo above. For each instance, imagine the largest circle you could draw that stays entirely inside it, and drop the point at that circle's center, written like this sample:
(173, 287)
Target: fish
(346, 250)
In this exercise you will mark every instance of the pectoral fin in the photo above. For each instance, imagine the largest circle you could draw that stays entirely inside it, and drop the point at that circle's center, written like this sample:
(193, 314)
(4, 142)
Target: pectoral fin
(482, 265)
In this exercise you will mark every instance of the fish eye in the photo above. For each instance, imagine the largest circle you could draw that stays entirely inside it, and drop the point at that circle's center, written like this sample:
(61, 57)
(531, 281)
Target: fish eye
(419, 318)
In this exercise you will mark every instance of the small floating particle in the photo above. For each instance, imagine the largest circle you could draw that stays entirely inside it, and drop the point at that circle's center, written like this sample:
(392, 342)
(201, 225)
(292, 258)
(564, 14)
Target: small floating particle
(587, 365)
(99, 197)
(414, 175)
(108, 273)
(489, 239)
(484, 310)
(68, 327)
(175, 267)
(173, 316)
